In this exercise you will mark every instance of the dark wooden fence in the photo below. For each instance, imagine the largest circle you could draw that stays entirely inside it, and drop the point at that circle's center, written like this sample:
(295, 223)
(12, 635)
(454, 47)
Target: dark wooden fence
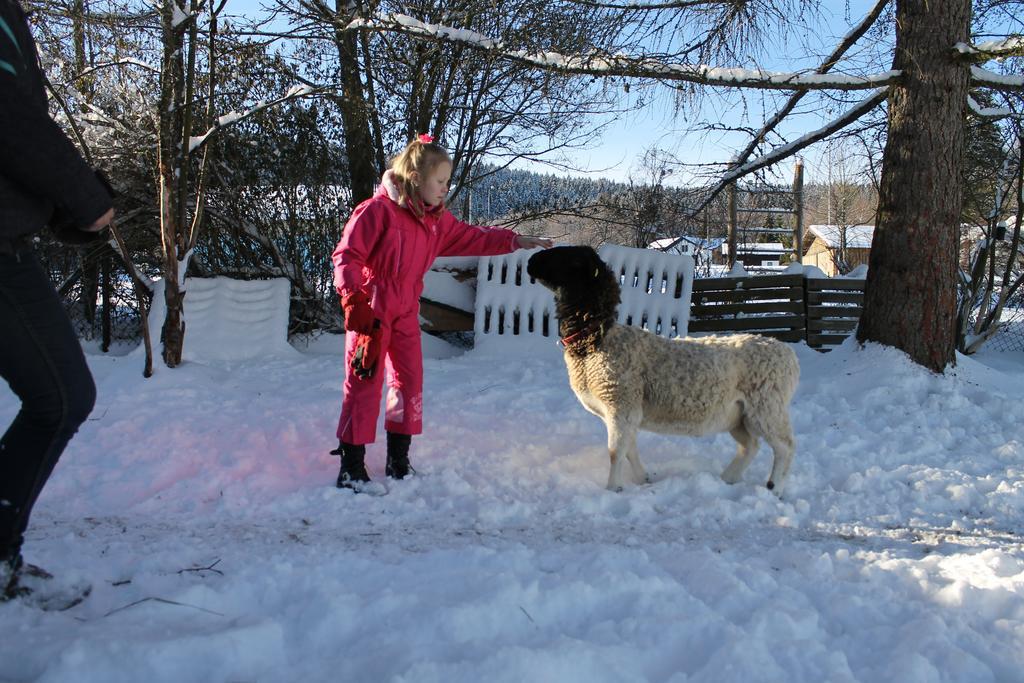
(834, 306)
(822, 311)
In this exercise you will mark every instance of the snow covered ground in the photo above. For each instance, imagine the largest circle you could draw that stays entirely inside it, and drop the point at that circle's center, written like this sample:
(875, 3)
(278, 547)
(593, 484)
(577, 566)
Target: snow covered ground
(201, 504)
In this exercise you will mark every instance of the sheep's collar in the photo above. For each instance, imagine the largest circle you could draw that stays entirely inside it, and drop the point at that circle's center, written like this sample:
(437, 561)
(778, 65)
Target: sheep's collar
(585, 340)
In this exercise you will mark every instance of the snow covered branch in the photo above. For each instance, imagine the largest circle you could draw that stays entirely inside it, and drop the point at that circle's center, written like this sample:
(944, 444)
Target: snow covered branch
(669, 4)
(598, 64)
(779, 153)
(992, 49)
(848, 41)
(127, 61)
(991, 79)
(197, 141)
(991, 112)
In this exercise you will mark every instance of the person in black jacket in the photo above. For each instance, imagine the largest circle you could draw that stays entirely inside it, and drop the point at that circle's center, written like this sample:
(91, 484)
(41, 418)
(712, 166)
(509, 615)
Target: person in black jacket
(43, 180)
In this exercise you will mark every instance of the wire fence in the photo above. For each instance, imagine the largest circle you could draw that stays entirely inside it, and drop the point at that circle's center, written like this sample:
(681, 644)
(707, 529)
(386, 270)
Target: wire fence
(1010, 335)
(118, 313)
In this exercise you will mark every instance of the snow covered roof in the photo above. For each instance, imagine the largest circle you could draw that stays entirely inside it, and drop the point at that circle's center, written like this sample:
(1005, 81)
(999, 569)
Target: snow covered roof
(688, 244)
(857, 236)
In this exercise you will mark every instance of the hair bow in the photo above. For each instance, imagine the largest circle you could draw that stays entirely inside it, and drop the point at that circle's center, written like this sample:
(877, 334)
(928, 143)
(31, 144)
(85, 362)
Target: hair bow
(425, 138)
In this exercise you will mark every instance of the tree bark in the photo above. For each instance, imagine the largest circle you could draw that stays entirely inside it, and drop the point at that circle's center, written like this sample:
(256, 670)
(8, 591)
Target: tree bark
(910, 298)
(359, 147)
(171, 173)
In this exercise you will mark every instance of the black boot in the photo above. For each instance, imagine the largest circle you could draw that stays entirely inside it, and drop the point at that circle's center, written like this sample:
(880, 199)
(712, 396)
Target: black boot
(353, 469)
(10, 569)
(397, 466)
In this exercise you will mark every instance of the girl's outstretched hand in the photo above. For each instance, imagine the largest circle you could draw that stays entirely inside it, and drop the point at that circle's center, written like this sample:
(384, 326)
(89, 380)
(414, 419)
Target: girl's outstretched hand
(526, 242)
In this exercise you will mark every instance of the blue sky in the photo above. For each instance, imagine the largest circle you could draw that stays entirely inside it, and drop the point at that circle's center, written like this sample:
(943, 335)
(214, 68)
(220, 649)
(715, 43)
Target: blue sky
(616, 153)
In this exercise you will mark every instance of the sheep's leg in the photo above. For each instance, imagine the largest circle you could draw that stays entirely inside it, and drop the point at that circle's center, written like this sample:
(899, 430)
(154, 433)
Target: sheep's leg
(745, 452)
(621, 434)
(639, 473)
(782, 443)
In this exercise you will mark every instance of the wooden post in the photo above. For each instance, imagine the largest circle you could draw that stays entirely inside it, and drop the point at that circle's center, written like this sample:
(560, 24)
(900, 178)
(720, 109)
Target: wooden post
(732, 226)
(706, 248)
(798, 211)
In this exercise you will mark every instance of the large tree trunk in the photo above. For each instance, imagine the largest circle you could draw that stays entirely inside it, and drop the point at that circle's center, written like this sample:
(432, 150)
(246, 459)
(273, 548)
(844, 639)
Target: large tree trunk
(910, 302)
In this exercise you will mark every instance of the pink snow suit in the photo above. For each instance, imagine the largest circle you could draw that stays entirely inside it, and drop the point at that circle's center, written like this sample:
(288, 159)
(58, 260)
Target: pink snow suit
(385, 250)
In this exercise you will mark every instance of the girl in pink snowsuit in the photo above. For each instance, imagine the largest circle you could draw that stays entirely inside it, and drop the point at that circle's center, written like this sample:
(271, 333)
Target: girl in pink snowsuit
(387, 246)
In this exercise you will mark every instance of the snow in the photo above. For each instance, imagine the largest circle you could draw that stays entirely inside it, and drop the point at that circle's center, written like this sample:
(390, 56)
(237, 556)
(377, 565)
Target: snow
(228, 319)
(200, 503)
(985, 77)
(857, 236)
(992, 112)
(1008, 46)
(179, 16)
(858, 273)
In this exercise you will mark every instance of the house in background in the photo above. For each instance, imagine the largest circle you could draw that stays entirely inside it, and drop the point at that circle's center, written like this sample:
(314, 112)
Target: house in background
(705, 252)
(823, 247)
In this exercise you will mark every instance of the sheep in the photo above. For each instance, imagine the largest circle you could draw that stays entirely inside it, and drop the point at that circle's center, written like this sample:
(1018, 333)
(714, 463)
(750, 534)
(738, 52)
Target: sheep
(633, 379)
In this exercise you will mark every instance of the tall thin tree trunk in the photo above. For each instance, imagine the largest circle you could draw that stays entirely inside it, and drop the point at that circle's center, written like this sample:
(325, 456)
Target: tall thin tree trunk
(914, 250)
(171, 173)
(359, 147)
(108, 292)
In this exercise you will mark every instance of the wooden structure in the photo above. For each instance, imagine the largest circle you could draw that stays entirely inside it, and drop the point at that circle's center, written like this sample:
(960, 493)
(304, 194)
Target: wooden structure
(822, 311)
(826, 246)
(796, 210)
(439, 317)
(772, 305)
(834, 306)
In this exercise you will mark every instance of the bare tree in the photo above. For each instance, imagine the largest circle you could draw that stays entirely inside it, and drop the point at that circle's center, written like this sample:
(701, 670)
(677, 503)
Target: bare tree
(149, 97)
(477, 104)
(648, 208)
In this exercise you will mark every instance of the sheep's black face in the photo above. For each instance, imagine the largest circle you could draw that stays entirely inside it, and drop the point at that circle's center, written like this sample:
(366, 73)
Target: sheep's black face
(566, 267)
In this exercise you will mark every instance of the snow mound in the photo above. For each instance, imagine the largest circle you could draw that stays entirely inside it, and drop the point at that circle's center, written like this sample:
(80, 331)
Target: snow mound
(229, 320)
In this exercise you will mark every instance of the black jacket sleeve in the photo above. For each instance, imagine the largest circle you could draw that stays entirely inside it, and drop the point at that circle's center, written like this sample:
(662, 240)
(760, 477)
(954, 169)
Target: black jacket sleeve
(34, 152)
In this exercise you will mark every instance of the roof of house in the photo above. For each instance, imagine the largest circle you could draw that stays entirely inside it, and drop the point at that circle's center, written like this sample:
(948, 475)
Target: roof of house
(694, 243)
(857, 236)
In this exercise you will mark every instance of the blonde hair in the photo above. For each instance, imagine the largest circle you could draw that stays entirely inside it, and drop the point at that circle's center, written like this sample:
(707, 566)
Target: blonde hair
(421, 158)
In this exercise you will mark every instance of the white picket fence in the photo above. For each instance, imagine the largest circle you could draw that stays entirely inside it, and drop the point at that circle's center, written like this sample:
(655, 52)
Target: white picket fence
(656, 291)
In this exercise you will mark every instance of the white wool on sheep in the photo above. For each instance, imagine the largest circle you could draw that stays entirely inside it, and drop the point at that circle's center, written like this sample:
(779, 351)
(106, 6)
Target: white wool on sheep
(656, 289)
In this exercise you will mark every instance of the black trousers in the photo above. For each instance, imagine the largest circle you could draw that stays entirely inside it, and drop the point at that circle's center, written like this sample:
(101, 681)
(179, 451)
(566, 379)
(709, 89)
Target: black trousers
(42, 361)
